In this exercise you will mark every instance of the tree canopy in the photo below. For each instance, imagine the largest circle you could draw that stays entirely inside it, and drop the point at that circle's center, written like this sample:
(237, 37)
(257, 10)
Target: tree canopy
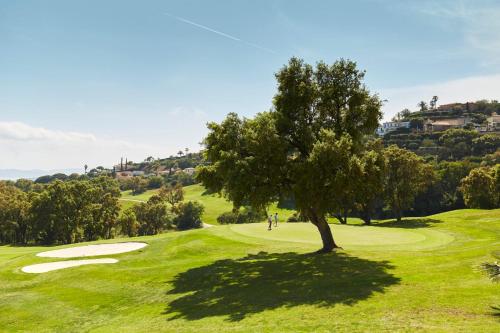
(305, 147)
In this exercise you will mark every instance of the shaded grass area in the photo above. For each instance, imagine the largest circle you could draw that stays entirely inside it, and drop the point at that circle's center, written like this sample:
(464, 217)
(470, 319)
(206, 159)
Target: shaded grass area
(409, 223)
(258, 282)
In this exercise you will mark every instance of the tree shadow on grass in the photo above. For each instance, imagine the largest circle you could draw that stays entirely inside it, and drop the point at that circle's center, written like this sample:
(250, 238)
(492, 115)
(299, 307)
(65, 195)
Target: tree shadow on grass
(264, 281)
(495, 311)
(408, 224)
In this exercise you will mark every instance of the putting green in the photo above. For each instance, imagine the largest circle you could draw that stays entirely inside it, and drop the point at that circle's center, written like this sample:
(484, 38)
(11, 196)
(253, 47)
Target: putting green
(349, 235)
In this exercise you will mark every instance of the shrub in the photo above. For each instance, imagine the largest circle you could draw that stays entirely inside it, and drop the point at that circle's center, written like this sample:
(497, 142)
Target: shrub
(228, 218)
(247, 215)
(139, 185)
(155, 182)
(296, 217)
(480, 188)
(128, 223)
(189, 215)
(153, 216)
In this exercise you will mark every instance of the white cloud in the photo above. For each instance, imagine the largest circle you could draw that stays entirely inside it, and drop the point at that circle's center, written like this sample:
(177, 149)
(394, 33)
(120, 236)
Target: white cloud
(21, 131)
(461, 90)
(478, 21)
(26, 147)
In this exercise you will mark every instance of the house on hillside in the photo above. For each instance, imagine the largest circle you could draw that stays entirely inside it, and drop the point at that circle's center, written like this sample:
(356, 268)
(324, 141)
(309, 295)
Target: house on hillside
(129, 173)
(493, 122)
(124, 174)
(189, 171)
(444, 124)
(391, 126)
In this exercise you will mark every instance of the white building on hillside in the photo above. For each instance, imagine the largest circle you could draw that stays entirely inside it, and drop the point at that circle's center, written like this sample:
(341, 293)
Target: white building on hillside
(391, 126)
(189, 171)
(493, 122)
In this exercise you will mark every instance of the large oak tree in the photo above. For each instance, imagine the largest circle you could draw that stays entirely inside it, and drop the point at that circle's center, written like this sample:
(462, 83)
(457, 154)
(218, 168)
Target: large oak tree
(306, 147)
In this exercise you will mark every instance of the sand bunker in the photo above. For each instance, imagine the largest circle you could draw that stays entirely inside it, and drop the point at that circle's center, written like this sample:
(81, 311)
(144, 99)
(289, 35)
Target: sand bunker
(93, 250)
(52, 266)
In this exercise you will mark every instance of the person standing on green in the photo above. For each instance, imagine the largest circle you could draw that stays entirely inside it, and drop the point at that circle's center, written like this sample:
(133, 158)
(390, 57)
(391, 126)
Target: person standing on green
(270, 220)
(275, 219)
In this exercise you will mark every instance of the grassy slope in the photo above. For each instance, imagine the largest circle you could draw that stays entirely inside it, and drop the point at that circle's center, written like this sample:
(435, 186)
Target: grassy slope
(417, 276)
(214, 204)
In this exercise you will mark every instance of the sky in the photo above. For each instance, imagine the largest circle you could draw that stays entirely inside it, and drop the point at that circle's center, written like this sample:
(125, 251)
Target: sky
(88, 82)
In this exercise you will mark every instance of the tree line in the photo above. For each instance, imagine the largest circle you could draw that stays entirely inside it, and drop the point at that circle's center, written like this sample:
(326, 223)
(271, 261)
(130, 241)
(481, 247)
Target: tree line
(87, 209)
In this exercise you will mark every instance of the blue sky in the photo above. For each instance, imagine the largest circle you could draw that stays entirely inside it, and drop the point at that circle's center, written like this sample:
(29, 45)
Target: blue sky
(91, 81)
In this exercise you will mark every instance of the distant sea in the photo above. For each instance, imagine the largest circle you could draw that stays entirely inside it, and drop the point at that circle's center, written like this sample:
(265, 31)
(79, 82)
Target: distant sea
(13, 174)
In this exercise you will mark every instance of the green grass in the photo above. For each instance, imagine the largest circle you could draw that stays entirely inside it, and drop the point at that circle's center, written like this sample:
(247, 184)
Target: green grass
(420, 275)
(214, 204)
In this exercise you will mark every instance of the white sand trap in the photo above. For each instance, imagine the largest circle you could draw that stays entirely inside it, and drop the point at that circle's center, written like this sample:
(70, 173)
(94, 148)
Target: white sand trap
(52, 266)
(93, 250)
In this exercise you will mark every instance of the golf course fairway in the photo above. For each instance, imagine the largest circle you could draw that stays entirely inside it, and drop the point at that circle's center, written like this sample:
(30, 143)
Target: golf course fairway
(422, 274)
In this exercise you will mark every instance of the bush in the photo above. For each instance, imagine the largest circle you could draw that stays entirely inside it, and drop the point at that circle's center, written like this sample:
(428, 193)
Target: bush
(481, 188)
(155, 182)
(128, 223)
(296, 217)
(139, 185)
(247, 215)
(153, 216)
(189, 215)
(228, 218)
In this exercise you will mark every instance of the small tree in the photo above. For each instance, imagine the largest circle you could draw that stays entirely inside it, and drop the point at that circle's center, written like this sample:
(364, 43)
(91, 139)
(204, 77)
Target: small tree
(406, 176)
(138, 185)
(153, 216)
(109, 209)
(128, 223)
(433, 102)
(370, 183)
(155, 182)
(479, 189)
(172, 194)
(189, 215)
(423, 106)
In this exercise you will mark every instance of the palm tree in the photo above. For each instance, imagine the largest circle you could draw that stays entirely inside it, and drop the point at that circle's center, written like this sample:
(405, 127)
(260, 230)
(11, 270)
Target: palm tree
(433, 102)
(85, 167)
(422, 105)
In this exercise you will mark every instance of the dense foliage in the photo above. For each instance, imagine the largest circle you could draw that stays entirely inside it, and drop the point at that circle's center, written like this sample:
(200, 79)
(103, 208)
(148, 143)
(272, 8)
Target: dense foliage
(163, 211)
(244, 215)
(481, 188)
(188, 215)
(87, 209)
(62, 212)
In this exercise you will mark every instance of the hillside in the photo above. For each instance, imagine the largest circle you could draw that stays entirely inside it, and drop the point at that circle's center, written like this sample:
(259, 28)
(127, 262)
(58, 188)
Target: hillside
(213, 203)
(419, 275)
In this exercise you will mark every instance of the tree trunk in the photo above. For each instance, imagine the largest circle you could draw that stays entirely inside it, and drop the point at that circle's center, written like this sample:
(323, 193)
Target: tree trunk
(366, 215)
(325, 232)
(340, 218)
